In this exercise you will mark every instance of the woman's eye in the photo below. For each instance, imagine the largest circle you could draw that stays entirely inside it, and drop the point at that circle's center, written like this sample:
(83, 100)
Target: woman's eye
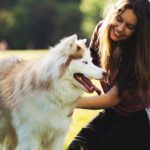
(85, 62)
(118, 18)
(131, 27)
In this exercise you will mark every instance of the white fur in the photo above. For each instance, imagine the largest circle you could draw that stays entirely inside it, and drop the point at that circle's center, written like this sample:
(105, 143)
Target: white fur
(38, 114)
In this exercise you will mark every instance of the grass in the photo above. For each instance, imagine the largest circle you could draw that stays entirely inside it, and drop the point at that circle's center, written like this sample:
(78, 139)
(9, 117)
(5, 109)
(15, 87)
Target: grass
(80, 117)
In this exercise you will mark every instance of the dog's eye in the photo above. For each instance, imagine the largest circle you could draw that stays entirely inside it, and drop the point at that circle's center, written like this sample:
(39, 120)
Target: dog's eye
(85, 62)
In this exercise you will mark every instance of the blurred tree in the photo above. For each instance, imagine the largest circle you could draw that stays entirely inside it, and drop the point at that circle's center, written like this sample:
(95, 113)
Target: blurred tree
(41, 23)
(55, 21)
(7, 3)
(38, 23)
(7, 21)
(91, 10)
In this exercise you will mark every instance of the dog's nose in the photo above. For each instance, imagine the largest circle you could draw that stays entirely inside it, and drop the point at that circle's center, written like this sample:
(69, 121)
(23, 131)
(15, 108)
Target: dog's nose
(104, 74)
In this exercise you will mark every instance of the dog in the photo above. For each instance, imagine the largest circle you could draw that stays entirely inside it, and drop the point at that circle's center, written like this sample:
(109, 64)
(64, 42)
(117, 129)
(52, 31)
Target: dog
(37, 96)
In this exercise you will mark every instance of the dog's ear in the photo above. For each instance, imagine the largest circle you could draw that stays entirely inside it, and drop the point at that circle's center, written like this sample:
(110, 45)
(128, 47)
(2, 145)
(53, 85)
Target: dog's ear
(83, 41)
(74, 47)
(72, 41)
(71, 44)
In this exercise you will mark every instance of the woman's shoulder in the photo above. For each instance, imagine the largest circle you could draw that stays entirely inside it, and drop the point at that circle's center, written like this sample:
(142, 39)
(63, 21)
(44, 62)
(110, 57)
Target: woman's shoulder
(99, 24)
(94, 40)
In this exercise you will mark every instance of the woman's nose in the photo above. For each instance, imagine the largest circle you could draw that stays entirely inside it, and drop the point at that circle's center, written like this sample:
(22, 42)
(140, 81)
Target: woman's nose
(121, 27)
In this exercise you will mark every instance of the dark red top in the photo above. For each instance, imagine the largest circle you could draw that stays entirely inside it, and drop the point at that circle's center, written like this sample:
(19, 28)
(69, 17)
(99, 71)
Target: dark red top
(131, 101)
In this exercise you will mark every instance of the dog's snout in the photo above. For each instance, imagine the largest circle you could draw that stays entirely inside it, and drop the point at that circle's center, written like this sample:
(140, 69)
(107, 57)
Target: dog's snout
(104, 74)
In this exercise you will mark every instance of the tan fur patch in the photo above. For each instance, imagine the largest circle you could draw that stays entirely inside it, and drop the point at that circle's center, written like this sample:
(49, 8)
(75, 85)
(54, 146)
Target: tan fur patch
(45, 85)
(9, 82)
(6, 88)
(77, 55)
(33, 80)
(64, 66)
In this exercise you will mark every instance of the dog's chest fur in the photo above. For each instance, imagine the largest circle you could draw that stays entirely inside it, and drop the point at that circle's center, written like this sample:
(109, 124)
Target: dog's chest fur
(46, 112)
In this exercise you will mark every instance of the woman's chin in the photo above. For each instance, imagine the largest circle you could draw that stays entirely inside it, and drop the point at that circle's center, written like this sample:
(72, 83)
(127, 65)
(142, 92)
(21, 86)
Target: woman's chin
(115, 39)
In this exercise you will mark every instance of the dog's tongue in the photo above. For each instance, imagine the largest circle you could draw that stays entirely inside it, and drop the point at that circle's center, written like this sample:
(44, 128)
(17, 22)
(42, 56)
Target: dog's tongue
(90, 86)
(87, 83)
(97, 90)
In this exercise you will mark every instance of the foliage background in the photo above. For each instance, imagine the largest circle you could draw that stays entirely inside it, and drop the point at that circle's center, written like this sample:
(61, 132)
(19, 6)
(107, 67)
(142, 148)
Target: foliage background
(37, 24)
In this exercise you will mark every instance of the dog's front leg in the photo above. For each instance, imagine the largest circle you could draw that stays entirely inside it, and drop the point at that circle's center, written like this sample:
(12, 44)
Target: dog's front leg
(29, 145)
(10, 142)
(56, 144)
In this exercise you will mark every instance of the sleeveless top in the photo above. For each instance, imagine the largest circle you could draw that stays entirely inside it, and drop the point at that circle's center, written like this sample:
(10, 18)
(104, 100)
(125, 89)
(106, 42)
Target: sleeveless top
(131, 102)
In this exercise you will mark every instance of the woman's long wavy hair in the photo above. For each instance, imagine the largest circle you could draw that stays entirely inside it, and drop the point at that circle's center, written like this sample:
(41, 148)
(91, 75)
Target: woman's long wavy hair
(134, 59)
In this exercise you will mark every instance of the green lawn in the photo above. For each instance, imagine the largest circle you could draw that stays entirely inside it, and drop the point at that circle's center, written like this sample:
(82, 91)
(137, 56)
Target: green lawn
(79, 117)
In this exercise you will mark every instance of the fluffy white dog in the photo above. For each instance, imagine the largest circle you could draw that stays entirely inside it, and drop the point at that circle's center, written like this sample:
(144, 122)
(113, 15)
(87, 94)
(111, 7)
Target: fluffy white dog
(37, 96)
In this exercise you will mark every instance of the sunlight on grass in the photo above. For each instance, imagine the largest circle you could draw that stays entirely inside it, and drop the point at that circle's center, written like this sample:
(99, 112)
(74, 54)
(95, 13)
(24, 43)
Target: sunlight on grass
(27, 54)
(80, 117)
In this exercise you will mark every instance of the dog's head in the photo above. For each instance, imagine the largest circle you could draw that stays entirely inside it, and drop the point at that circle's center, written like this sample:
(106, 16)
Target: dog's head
(78, 67)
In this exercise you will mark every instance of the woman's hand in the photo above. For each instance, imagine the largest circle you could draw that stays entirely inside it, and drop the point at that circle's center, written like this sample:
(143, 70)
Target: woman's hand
(103, 101)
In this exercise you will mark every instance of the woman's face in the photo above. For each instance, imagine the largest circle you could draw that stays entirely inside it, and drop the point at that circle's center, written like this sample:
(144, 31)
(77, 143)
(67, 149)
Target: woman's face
(123, 25)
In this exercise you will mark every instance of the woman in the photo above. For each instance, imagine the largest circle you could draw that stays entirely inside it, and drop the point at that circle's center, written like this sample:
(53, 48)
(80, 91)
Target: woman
(122, 41)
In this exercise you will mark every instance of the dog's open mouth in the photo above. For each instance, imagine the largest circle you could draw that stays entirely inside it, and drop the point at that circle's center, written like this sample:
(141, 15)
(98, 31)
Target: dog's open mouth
(88, 85)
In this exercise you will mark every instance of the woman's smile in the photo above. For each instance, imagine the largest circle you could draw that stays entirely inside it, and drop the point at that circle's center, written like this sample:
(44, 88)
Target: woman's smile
(115, 34)
(123, 26)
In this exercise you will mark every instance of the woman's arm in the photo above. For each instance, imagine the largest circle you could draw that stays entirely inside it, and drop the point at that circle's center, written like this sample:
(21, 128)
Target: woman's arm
(103, 101)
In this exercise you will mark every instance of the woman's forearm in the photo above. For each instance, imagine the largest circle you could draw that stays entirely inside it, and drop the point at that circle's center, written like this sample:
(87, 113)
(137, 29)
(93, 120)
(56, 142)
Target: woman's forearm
(103, 101)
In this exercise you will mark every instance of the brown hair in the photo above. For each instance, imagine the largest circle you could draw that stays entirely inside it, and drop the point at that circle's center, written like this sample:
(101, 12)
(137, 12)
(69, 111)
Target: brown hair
(134, 67)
